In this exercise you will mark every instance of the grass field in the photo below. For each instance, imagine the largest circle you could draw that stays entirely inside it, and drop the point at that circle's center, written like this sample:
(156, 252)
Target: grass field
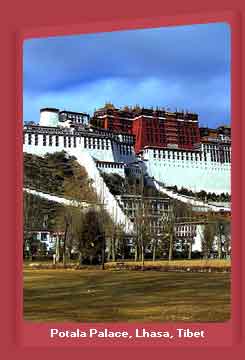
(198, 263)
(101, 296)
(182, 262)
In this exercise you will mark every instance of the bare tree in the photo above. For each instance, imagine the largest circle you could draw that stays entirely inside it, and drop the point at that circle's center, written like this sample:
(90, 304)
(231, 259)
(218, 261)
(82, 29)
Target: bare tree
(223, 236)
(34, 209)
(208, 237)
(90, 236)
(227, 240)
(143, 228)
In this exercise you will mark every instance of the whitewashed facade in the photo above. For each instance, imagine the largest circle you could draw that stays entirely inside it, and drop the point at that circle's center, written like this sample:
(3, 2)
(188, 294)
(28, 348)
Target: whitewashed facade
(194, 170)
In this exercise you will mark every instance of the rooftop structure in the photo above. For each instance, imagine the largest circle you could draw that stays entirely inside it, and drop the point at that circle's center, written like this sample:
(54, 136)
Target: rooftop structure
(53, 117)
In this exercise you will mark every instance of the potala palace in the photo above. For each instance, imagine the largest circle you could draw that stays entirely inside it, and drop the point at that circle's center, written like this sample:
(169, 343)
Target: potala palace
(165, 148)
(171, 148)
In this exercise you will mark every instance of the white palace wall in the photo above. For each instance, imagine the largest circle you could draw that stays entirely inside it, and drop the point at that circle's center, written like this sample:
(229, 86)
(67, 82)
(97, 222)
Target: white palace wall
(193, 170)
(106, 150)
(196, 174)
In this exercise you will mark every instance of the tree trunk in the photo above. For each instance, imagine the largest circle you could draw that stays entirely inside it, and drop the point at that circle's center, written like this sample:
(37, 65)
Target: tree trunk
(109, 250)
(113, 248)
(80, 258)
(205, 254)
(220, 247)
(136, 253)
(154, 250)
(64, 244)
(142, 257)
(170, 253)
(103, 253)
(69, 254)
(57, 249)
(190, 249)
(122, 248)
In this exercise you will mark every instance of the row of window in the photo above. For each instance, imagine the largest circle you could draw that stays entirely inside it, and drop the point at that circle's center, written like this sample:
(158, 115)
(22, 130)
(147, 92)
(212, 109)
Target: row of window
(178, 155)
(110, 165)
(50, 140)
(93, 143)
(69, 141)
(126, 138)
(134, 205)
(134, 171)
(203, 165)
(151, 218)
(220, 156)
(186, 234)
(76, 118)
(209, 147)
(163, 140)
(124, 149)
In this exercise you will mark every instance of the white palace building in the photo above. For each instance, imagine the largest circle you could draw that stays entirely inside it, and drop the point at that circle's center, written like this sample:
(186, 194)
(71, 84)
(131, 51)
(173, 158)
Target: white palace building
(207, 167)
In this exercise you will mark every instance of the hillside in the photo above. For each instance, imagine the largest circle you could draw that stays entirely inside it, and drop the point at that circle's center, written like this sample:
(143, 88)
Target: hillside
(129, 185)
(57, 177)
(58, 174)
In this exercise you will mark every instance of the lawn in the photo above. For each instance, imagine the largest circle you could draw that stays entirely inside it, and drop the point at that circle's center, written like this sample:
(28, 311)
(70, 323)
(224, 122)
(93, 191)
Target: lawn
(101, 296)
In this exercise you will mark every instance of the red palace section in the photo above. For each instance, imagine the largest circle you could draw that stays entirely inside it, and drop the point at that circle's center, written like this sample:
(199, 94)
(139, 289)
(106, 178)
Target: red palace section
(151, 127)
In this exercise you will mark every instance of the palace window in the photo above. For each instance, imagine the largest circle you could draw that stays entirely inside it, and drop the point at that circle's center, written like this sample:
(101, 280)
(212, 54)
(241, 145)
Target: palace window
(29, 139)
(69, 141)
(214, 155)
(36, 139)
(65, 142)
(57, 140)
(44, 140)
(75, 141)
(50, 140)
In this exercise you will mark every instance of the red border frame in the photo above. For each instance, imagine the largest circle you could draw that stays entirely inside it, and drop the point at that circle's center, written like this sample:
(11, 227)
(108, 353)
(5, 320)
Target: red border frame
(226, 338)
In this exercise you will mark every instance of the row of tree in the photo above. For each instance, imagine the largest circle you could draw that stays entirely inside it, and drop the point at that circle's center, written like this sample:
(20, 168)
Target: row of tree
(202, 195)
(165, 241)
(93, 237)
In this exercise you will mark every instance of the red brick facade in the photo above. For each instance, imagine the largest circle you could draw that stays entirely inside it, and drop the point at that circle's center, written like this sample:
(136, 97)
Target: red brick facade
(155, 128)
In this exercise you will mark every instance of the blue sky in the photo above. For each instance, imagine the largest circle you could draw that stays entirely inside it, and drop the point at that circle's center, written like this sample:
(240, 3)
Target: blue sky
(184, 67)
